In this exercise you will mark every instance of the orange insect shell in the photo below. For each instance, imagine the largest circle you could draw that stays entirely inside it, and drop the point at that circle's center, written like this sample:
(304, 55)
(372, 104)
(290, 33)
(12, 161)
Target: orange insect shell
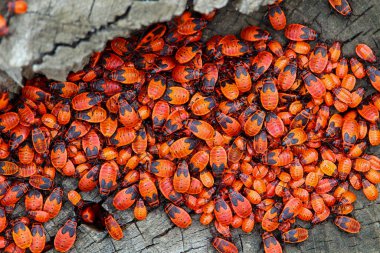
(313, 84)
(127, 115)
(276, 47)
(318, 59)
(222, 245)
(86, 100)
(350, 133)
(130, 178)
(362, 165)
(41, 182)
(8, 121)
(108, 153)
(373, 176)
(200, 129)
(260, 143)
(374, 77)
(376, 100)
(3, 219)
(13, 194)
(342, 68)
(203, 106)
(21, 235)
(191, 26)
(53, 203)
(349, 82)
(206, 218)
(162, 168)
(33, 200)
(296, 136)
(277, 17)
(365, 53)
(183, 147)
(125, 198)
(181, 179)
(58, 155)
(125, 75)
(248, 223)
(355, 180)
(39, 216)
(369, 112)
(340, 106)
(222, 211)
(300, 47)
(343, 95)
(229, 89)
(186, 53)
(269, 95)
(240, 204)
(370, 190)
(347, 224)
(298, 32)
(287, 76)
(254, 33)
(95, 114)
(347, 197)
(113, 228)
(64, 89)
(75, 198)
(228, 124)
(335, 51)
(107, 177)
(77, 129)
(260, 64)
(26, 114)
(329, 168)
(242, 78)
(66, 236)
(160, 114)
(341, 6)
(148, 192)
(140, 144)
(218, 161)
(4, 96)
(206, 178)
(278, 66)
(357, 97)
(140, 212)
(374, 135)
(8, 168)
(357, 68)
(123, 156)
(270, 243)
(38, 238)
(122, 137)
(39, 141)
(295, 235)
(156, 87)
(305, 214)
(254, 124)
(344, 168)
(317, 203)
(91, 144)
(178, 216)
(232, 47)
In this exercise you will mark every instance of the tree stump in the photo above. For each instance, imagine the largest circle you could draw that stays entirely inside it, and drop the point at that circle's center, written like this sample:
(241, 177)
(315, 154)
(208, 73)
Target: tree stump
(55, 37)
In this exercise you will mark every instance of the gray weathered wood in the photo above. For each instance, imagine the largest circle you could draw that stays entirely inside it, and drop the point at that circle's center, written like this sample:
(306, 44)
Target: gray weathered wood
(157, 233)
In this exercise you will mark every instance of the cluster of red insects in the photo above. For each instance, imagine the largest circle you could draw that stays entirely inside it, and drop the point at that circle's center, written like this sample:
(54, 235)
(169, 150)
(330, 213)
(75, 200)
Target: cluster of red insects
(240, 131)
(14, 7)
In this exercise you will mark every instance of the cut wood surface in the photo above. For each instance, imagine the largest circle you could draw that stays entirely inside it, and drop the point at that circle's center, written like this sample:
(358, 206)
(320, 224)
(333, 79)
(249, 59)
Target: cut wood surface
(157, 233)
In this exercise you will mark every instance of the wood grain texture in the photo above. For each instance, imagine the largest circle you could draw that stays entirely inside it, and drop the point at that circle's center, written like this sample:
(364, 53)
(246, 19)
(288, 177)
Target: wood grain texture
(157, 233)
